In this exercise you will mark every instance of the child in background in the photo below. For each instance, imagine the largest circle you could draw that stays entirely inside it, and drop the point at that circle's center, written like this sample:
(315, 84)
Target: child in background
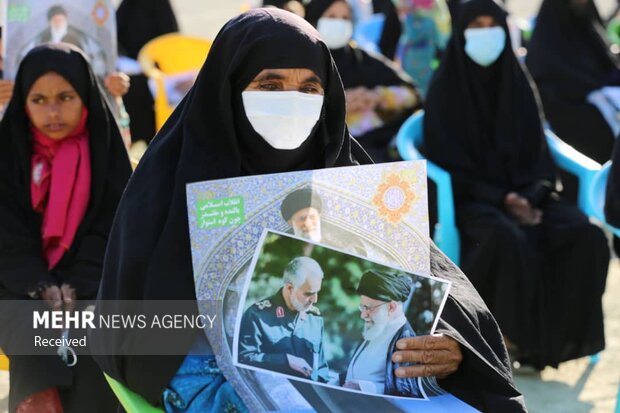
(426, 29)
(64, 168)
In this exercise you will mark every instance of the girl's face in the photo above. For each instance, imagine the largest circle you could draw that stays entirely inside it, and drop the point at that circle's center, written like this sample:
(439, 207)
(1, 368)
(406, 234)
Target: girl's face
(53, 106)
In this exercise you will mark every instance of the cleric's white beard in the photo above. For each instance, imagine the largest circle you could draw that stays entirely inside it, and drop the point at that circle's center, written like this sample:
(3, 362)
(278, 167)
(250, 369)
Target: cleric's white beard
(59, 33)
(374, 328)
(314, 236)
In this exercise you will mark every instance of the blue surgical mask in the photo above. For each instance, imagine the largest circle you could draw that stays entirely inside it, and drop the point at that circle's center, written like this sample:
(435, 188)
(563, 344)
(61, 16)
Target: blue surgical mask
(485, 45)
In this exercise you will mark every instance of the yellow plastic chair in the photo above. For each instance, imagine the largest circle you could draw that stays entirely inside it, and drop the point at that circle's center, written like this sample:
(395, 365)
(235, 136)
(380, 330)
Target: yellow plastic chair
(170, 54)
(131, 402)
(4, 361)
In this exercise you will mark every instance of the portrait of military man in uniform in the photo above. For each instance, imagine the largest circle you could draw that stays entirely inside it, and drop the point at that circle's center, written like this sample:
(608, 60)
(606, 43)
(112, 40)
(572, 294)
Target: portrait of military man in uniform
(284, 332)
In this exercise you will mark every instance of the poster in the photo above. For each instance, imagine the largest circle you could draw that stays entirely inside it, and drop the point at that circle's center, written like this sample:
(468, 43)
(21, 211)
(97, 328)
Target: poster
(350, 221)
(88, 24)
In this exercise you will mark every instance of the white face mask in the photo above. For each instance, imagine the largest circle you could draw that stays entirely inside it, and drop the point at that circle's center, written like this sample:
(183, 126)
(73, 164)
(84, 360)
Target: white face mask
(283, 119)
(336, 33)
(485, 45)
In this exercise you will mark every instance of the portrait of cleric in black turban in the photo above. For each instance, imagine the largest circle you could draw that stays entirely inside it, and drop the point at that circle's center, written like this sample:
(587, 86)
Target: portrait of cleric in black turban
(302, 209)
(71, 23)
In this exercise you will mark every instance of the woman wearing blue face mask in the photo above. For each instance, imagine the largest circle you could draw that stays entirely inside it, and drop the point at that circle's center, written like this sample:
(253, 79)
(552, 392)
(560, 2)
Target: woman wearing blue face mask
(523, 248)
(379, 95)
(268, 99)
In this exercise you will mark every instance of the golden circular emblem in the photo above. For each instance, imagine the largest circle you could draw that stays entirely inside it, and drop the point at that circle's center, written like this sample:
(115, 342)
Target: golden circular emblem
(100, 13)
(393, 198)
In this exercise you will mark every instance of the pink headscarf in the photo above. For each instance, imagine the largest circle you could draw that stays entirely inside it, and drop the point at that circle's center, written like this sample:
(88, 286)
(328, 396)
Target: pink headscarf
(60, 187)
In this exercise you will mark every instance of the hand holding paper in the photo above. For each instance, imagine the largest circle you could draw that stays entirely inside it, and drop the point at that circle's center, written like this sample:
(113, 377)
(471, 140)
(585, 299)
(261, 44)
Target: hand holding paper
(435, 355)
(299, 364)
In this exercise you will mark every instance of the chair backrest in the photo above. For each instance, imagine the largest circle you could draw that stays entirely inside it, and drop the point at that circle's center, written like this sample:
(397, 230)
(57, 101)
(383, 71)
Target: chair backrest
(4, 362)
(173, 53)
(596, 197)
(367, 33)
(408, 139)
(170, 54)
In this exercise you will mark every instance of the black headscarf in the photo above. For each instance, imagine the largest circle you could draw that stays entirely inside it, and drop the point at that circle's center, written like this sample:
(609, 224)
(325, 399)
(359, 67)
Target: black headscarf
(484, 123)
(275, 3)
(209, 137)
(22, 265)
(316, 8)
(148, 257)
(569, 54)
(138, 21)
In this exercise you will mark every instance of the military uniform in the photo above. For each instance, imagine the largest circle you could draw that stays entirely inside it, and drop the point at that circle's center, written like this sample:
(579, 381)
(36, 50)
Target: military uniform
(269, 331)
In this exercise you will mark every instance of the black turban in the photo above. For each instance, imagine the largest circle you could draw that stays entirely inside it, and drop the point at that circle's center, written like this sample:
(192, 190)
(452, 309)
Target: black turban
(300, 199)
(385, 286)
(56, 10)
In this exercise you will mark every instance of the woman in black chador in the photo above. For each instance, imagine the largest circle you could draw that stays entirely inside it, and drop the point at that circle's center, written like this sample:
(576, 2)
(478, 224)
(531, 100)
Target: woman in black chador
(569, 57)
(64, 168)
(266, 68)
(535, 259)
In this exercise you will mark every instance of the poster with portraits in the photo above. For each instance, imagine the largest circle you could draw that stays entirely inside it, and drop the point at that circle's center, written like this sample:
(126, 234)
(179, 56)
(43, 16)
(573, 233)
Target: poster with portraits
(314, 276)
(87, 24)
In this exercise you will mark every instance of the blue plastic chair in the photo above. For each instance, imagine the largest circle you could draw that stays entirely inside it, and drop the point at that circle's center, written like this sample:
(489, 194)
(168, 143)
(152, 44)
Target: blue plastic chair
(591, 175)
(367, 33)
(408, 139)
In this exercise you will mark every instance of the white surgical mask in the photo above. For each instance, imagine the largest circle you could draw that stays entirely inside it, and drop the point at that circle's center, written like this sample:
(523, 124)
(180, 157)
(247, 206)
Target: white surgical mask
(283, 119)
(336, 33)
(485, 45)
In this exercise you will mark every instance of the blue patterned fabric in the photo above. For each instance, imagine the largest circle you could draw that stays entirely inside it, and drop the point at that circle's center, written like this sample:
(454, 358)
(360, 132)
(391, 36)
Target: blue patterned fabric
(200, 386)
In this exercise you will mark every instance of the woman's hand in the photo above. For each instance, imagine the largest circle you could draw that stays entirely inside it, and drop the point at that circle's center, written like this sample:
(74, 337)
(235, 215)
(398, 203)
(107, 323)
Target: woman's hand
(52, 296)
(59, 298)
(521, 209)
(361, 99)
(437, 355)
(117, 84)
(68, 297)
